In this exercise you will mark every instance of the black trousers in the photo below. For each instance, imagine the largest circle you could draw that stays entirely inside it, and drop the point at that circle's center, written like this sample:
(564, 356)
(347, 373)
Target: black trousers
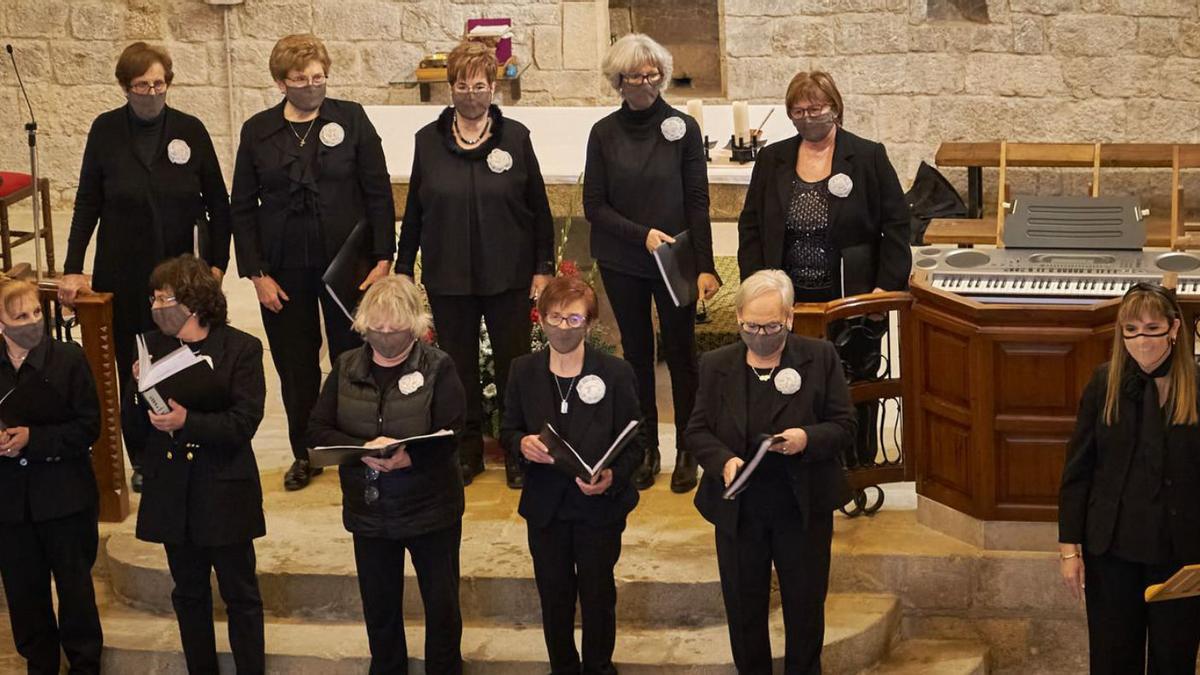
(1121, 624)
(456, 322)
(630, 298)
(801, 558)
(380, 564)
(574, 559)
(294, 335)
(30, 554)
(131, 317)
(191, 569)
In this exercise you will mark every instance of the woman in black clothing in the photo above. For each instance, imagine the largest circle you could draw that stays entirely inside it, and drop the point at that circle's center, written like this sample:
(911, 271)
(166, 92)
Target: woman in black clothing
(202, 498)
(825, 207)
(48, 493)
(151, 178)
(308, 171)
(478, 212)
(574, 527)
(397, 386)
(646, 180)
(1128, 513)
(782, 385)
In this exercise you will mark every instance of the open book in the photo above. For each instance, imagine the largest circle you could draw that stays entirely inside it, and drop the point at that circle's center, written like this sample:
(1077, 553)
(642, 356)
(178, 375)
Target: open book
(1183, 584)
(569, 461)
(743, 476)
(336, 455)
(677, 265)
(182, 375)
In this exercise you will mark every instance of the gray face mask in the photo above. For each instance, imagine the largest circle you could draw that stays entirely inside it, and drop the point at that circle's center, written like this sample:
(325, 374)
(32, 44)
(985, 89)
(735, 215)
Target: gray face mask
(306, 99)
(814, 129)
(764, 345)
(26, 336)
(639, 96)
(390, 345)
(147, 106)
(170, 319)
(564, 340)
(471, 106)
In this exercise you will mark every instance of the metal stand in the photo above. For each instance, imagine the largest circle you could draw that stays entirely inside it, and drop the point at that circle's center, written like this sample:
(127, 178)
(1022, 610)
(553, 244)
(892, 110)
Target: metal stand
(741, 152)
(31, 130)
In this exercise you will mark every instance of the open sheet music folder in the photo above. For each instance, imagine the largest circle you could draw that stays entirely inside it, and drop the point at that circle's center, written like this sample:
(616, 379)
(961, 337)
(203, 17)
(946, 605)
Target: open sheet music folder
(182, 375)
(567, 460)
(336, 455)
(32, 401)
(743, 476)
(677, 265)
(349, 268)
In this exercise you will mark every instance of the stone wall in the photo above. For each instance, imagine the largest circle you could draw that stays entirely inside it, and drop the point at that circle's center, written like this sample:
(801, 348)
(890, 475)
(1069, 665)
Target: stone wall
(1080, 70)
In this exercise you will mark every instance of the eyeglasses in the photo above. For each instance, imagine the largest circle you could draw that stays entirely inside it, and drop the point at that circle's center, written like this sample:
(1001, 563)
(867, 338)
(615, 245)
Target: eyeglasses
(772, 328)
(815, 111)
(642, 78)
(460, 88)
(158, 87)
(572, 320)
(163, 301)
(315, 80)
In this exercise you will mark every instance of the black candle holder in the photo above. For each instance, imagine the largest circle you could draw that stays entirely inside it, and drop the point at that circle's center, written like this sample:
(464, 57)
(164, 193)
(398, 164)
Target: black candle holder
(707, 145)
(741, 152)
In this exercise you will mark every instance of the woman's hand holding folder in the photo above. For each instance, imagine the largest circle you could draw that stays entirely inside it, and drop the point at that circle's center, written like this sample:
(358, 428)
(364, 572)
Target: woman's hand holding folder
(535, 451)
(399, 459)
(599, 484)
(169, 422)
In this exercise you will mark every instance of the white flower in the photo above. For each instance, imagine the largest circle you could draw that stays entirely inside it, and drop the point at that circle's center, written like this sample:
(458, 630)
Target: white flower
(840, 185)
(332, 134)
(411, 382)
(591, 389)
(673, 128)
(787, 381)
(490, 390)
(499, 161)
(178, 151)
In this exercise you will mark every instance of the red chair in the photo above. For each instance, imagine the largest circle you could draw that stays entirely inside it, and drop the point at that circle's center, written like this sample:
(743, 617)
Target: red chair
(15, 187)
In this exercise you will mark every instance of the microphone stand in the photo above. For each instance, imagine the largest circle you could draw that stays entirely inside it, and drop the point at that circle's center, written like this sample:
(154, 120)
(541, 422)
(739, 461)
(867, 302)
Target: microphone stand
(31, 131)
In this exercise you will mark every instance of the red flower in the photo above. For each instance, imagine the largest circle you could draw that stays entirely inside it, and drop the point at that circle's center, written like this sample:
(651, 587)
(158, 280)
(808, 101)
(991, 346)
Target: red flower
(534, 317)
(568, 268)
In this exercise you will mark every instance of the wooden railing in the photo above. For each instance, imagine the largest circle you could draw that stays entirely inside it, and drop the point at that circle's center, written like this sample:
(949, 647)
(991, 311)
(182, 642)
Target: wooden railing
(91, 325)
(885, 387)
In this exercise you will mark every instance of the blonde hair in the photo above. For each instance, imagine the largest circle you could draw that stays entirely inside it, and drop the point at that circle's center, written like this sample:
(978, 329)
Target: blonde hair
(392, 299)
(468, 58)
(1181, 401)
(631, 51)
(295, 52)
(765, 282)
(816, 85)
(12, 290)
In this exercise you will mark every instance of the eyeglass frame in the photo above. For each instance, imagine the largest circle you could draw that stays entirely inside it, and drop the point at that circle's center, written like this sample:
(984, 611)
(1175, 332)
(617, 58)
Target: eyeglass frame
(306, 81)
(579, 319)
(639, 79)
(773, 328)
(156, 87)
(808, 113)
(166, 301)
(477, 89)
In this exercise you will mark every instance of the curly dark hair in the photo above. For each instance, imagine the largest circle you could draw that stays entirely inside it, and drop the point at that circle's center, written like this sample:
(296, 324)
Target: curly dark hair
(190, 279)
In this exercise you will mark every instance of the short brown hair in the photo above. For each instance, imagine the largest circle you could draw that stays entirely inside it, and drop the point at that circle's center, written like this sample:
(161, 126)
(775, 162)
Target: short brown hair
(563, 290)
(816, 85)
(294, 52)
(468, 58)
(12, 290)
(192, 282)
(137, 59)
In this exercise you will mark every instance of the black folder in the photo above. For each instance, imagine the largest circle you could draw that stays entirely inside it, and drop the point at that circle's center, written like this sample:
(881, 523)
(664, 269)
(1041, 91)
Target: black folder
(677, 265)
(742, 479)
(567, 460)
(31, 402)
(339, 455)
(349, 268)
(195, 388)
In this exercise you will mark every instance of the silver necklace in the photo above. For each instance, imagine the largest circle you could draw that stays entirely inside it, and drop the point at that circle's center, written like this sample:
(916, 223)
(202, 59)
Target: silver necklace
(291, 125)
(760, 376)
(562, 407)
(466, 141)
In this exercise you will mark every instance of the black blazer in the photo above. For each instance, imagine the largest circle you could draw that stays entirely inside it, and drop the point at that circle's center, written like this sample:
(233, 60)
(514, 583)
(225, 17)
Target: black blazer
(515, 227)
(870, 226)
(146, 212)
(717, 430)
(531, 400)
(352, 179)
(1098, 459)
(52, 477)
(201, 485)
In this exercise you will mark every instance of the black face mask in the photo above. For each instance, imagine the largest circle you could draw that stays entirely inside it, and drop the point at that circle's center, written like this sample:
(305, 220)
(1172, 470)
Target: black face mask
(390, 345)
(564, 340)
(764, 345)
(814, 129)
(147, 106)
(306, 99)
(469, 105)
(26, 336)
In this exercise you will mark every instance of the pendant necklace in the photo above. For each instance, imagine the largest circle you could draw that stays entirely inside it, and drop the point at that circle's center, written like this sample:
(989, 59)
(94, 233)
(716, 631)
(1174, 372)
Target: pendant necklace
(760, 376)
(466, 141)
(562, 407)
(292, 126)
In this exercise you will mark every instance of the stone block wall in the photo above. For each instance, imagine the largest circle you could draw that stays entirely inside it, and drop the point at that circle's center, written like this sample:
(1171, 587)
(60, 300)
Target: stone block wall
(1066, 70)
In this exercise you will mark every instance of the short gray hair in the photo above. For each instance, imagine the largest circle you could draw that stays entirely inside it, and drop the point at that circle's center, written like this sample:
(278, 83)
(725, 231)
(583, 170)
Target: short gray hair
(395, 300)
(631, 51)
(764, 282)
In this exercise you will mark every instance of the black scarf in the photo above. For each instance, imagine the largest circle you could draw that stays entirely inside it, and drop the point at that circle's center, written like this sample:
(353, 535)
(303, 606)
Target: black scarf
(1152, 429)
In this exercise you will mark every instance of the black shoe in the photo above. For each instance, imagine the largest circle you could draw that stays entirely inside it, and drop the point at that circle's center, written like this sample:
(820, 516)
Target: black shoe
(683, 478)
(298, 477)
(643, 477)
(513, 474)
(469, 471)
(135, 481)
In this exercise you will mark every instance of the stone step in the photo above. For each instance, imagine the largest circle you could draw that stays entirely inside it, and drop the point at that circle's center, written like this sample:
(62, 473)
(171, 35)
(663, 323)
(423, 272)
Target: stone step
(859, 628)
(933, 657)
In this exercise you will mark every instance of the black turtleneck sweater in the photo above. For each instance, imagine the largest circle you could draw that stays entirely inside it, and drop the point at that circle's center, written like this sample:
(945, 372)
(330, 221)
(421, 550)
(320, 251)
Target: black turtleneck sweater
(636, 178)
(146, 135)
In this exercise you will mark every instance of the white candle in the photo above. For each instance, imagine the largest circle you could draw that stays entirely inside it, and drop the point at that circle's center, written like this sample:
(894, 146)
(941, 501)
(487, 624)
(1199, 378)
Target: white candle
(741, 121)
(695, 108)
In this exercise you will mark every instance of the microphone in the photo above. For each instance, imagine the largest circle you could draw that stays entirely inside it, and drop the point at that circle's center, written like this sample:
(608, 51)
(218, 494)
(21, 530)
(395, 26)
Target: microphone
(12, 57)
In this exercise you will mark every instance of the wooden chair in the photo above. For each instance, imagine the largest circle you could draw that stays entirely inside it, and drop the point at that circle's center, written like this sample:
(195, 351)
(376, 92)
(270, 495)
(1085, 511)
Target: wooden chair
(16, 187)
(1182, 157)
(1043, 154)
